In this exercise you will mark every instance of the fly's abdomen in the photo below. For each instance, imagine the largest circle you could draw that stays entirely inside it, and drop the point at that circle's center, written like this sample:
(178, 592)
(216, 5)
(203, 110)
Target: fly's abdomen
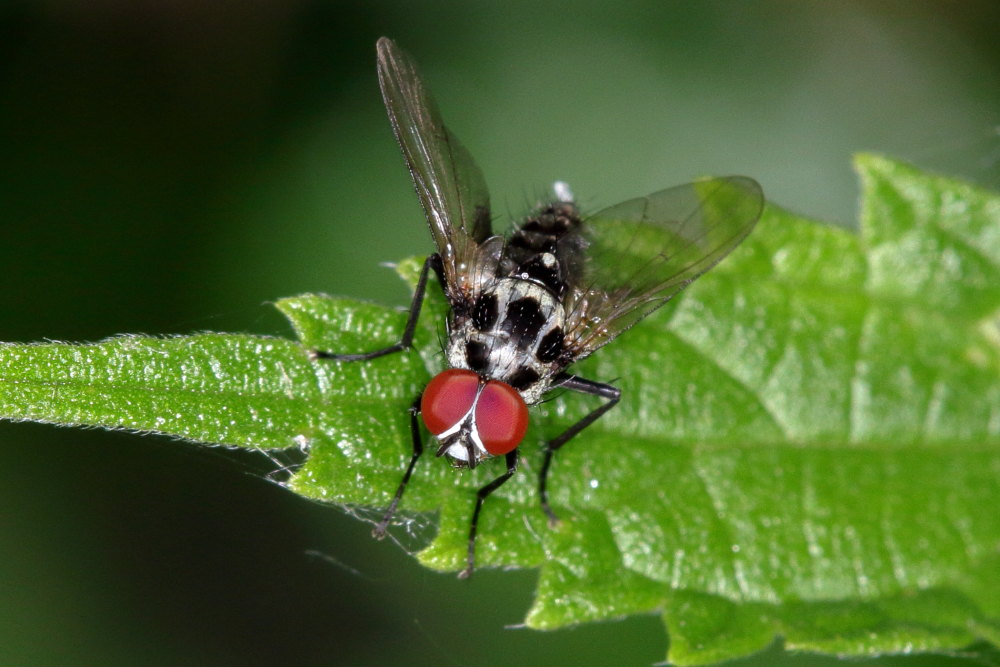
(547, 247)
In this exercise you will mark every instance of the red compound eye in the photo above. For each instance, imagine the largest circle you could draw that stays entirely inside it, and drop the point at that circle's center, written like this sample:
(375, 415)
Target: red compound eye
(501, 417)
(447, 398)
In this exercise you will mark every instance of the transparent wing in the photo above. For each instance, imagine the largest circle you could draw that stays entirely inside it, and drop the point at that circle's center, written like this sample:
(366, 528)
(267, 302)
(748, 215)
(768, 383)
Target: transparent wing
(450, 186)
(642, 252)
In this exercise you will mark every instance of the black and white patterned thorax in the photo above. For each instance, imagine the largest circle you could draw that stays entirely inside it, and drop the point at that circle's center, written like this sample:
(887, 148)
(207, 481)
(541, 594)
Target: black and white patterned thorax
(514, 329)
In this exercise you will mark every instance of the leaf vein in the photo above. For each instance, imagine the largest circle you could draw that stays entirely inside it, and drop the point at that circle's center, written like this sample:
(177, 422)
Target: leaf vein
(715, 363)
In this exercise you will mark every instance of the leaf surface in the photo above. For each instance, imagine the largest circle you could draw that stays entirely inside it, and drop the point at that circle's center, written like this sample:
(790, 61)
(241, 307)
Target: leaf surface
(808, 443)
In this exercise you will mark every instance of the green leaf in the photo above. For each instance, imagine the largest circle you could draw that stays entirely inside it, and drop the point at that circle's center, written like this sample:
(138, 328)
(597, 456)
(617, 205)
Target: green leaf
(808, 444)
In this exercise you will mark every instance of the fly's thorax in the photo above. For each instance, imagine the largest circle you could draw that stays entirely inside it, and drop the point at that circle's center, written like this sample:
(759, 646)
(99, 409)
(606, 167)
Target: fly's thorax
(514, 334)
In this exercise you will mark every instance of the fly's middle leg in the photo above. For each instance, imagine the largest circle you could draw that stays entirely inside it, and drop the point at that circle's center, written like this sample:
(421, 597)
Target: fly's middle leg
(584, 386)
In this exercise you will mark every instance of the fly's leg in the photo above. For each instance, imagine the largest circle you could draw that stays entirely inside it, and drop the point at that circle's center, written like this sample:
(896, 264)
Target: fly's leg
(418, 449)
(480, 497)
(584, 386)
(434, 261)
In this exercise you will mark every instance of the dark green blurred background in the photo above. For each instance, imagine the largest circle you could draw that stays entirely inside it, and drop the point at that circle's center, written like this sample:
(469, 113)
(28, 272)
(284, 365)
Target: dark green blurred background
(171, 166)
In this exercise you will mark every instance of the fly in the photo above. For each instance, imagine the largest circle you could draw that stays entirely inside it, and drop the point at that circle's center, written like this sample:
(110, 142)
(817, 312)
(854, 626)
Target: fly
(527, 307)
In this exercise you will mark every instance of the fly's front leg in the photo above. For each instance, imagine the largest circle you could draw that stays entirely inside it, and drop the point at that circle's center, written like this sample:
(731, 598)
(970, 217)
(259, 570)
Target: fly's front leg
(511, 460)
(418, 449)
(434, 261)
(584, 386)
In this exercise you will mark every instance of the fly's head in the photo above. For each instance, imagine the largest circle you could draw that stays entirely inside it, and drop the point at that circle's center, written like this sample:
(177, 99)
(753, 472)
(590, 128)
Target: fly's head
(473, 418)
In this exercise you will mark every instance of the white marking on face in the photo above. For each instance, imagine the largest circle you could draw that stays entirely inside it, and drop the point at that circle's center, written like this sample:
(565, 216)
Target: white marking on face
(458, 450)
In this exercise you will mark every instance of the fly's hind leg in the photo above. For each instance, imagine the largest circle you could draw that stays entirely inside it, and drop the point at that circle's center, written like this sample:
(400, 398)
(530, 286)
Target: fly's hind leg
(584, 386)
(406, 341)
